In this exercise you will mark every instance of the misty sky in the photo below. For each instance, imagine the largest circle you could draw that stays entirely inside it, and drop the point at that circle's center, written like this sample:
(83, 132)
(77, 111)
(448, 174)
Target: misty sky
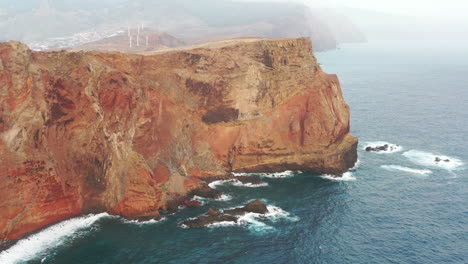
(438, 9)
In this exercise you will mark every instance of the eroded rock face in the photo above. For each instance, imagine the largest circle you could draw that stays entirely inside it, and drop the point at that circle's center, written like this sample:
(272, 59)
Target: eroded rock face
(126, 134)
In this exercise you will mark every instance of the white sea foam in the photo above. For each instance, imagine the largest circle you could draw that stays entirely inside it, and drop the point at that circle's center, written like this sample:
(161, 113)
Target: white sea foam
(202, 200)
(276, 213)
(356, 165)
(258, 222)
(406, 169)
(274, 175)
(392, 148)
(224, 197)
(148, 222)
(347, 176)
(53, 236)
(429, 159)
(236, 183)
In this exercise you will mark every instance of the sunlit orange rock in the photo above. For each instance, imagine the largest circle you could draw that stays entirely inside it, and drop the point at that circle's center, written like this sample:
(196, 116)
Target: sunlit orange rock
(90, 132)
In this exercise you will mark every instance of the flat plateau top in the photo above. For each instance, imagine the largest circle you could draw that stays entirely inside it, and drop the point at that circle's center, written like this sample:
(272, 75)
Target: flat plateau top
(215, 45)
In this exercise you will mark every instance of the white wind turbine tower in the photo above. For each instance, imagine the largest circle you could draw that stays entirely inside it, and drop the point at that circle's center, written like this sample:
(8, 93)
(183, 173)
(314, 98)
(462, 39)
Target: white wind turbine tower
(129, 33)
(138, 35)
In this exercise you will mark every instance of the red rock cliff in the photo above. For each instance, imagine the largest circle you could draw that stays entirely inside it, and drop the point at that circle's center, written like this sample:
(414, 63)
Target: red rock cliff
(92, 132)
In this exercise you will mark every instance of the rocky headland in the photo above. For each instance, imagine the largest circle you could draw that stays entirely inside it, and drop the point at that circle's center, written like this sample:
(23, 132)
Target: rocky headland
(133, 134)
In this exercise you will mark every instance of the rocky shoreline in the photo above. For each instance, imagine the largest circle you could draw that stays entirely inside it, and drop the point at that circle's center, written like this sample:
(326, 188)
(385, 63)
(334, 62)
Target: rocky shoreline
(133, 134)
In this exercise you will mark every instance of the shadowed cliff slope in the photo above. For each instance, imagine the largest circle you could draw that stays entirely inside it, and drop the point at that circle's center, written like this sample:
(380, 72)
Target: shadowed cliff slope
(125, 133)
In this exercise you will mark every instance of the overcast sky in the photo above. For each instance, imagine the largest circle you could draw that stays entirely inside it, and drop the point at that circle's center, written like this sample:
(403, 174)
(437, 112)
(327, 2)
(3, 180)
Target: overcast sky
(440, 9)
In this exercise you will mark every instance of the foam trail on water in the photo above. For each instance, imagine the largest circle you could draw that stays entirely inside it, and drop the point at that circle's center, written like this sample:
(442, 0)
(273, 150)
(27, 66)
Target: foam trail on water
(235, 183)
(274, 175)
(347, 176)
(51, 237)
(429, 159)
(406, 169)
(392, 148)
(222, 198)
(148, 222)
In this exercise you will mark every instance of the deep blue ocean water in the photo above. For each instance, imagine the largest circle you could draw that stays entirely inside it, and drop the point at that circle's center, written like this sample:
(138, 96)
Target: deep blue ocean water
(396, 207)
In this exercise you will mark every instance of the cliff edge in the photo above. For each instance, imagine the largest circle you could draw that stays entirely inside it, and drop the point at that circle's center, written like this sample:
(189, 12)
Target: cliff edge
(89, 132)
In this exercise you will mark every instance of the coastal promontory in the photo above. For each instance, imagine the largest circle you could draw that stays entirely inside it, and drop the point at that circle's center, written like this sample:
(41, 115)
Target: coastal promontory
(90, 132)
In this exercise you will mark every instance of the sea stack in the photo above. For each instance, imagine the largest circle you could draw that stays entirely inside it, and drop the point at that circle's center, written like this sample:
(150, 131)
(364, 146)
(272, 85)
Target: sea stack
(90, 132)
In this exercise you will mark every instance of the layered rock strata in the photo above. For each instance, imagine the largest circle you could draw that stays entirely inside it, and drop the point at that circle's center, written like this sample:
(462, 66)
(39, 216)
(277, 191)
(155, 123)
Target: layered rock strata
(89, 132)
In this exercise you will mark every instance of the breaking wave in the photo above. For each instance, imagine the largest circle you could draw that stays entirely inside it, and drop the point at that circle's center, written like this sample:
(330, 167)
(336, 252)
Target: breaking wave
(347, 176)
(260, 222)
(406, 169)
(235, 182)
(38, 245)
(429, 159)
(256, 222)
(274, 175)
(392, 148)
(222, 198)
(148, 222)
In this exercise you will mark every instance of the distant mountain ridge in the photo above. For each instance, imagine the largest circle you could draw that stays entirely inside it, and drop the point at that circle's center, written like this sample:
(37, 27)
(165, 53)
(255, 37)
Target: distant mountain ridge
(192, 21)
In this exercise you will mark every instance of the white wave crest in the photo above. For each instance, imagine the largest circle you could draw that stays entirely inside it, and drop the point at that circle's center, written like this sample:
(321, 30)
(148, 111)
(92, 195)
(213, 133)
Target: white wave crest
(429, 159)
(392, 148)
(38, 244)
(257, 222)
(274, 175)
(275, 213)
(356, 165)
(347, 176)
(148, 222)
(224, 197)
(235, 183)
(406, 169)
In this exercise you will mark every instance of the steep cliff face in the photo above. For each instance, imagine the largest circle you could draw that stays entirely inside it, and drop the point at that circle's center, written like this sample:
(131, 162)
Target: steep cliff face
(125, 133)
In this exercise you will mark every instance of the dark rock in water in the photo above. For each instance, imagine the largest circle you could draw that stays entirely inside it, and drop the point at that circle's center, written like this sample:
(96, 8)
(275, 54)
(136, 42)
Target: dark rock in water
(155, 215)
(212, 212)
(206, 192)
(172, 206)
(380, 148)
(192, 203)
(256, 206)
(231, 215)
(437, 159)
(211, 217)
(249, 179)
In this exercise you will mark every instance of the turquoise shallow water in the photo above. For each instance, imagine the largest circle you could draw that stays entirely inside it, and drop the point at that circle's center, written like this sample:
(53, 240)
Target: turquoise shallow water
(393, 208)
